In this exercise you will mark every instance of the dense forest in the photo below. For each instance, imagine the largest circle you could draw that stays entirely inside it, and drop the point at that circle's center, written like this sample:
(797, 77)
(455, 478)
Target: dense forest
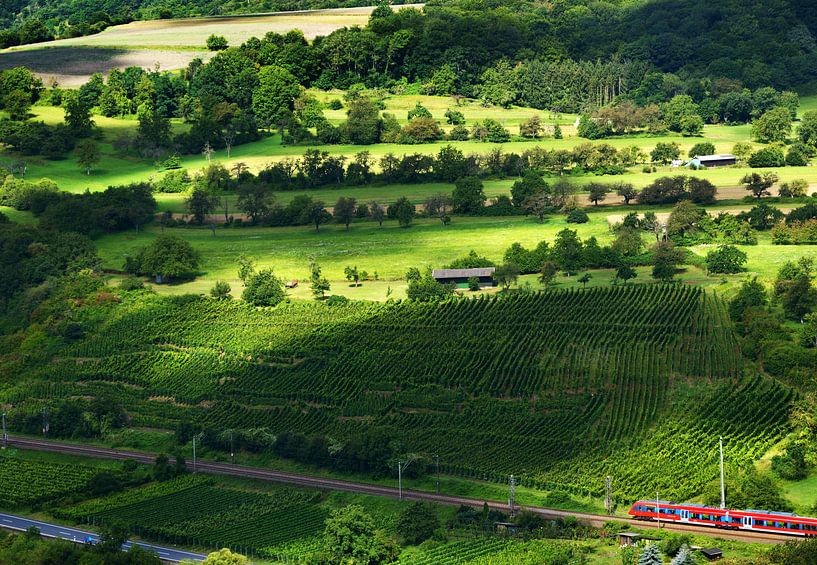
(756, 43)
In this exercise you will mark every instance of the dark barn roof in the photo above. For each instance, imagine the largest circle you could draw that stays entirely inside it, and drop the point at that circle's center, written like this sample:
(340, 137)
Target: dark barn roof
(463, 273)
(712, 553)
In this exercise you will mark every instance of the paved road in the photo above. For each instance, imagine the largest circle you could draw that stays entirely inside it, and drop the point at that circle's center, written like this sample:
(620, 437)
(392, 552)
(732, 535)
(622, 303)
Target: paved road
(12, 522)
(302, 480)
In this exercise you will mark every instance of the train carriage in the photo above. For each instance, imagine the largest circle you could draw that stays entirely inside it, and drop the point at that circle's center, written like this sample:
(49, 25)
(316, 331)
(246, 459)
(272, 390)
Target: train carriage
(700, 515)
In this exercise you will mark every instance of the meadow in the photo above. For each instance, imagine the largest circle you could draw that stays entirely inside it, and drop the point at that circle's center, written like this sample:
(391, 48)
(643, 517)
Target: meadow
(391, 250)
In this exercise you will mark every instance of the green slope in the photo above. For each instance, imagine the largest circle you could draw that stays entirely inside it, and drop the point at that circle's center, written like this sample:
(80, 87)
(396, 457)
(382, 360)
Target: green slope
(559, 388)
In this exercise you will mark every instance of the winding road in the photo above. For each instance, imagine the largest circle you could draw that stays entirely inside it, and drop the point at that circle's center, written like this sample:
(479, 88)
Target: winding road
(301, 480)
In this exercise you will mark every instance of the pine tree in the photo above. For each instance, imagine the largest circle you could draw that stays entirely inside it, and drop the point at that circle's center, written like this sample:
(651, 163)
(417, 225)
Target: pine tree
(650, 556)
(684, 557)
(320, 285)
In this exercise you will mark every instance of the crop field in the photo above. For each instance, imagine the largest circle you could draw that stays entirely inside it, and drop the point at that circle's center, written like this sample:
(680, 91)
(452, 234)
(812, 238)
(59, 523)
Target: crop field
(540, 385)
(170, 43)
(193, 32)
(71, 67)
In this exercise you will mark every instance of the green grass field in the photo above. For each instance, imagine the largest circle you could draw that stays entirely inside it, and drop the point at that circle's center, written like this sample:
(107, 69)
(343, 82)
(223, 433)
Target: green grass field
(390, 251)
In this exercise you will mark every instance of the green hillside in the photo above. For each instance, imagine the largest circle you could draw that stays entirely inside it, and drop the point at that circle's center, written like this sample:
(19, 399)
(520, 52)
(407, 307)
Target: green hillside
(637, 381)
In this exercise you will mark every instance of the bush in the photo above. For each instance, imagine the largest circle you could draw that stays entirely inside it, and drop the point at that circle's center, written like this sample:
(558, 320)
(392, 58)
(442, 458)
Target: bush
(726, 259)
(796, 157)
(702, 148)
(217, 43)
(264, 289)
(577, 216)
(174, 182)
(458, 133)
(470, 261)
(221, 291)
(768, 157)
(334, 104)
(417, 523)
(421, 130)
(454, 117)
(131, 283)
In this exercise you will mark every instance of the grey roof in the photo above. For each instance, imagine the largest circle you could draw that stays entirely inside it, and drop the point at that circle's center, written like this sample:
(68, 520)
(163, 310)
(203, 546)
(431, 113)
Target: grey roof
(705, 158)
(460, 273)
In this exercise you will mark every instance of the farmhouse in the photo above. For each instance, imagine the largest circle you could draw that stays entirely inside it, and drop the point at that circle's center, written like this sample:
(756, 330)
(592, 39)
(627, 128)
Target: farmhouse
(710, 161)
(461, 276)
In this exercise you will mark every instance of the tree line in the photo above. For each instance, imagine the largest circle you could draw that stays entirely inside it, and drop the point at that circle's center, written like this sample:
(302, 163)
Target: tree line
(749, 43)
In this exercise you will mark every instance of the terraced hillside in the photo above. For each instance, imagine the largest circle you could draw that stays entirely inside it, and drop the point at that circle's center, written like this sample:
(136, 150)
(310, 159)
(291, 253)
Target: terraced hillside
(562, 388)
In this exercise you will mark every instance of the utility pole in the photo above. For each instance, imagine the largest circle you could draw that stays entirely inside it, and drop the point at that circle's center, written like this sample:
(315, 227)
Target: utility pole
(608, 499)
(46, 425)
(232, 448)
(658, 509)
(5, 435)
(401, 466)
(437, 468)
(400, 478)
(723, 488)
(512, 495)
(195, 437)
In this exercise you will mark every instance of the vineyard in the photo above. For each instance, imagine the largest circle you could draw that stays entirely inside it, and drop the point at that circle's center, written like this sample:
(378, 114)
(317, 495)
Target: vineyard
(558, 388)
(26, 483)
(496, 551)
(193, 510)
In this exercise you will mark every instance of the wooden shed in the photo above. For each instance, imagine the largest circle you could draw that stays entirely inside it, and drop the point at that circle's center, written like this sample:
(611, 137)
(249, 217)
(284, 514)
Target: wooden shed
(459, 277)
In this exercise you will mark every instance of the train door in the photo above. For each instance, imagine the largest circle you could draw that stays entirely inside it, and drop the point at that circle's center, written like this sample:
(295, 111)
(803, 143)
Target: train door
(746, 522)
(684, 515)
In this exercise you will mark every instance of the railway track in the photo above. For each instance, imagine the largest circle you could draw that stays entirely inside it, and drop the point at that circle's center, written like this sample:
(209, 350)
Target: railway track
(299, 479)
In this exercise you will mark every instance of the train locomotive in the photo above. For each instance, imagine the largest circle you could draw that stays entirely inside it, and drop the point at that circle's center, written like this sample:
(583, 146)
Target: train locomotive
(748, 520)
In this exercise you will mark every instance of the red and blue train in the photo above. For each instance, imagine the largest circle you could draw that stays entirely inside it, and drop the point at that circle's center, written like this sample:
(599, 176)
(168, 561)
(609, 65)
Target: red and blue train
(749, 520)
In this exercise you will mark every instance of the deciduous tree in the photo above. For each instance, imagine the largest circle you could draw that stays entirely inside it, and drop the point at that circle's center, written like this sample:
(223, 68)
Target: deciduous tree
(263, 289)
